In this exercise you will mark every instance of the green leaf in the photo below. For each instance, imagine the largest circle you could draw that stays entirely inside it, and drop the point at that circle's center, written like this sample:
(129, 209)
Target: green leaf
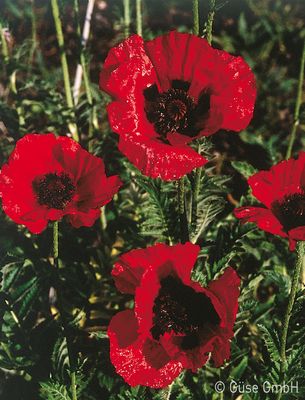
(238, 371)
(52, 390)
(272, 342)
(244, 168)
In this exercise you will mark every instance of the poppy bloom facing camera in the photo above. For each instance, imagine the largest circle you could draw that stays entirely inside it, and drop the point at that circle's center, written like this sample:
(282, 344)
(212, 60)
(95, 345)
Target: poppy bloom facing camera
(169, 91)
(176, 323)
(48, 177)
(282, 192)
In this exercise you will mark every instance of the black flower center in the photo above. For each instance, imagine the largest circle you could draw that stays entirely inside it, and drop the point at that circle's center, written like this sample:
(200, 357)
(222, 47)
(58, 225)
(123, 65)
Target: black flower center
(290, 211)
(175, 110)
(54, 190)
(180, 309)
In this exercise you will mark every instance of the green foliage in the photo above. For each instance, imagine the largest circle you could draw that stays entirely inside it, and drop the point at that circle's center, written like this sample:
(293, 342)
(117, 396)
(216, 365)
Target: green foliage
(244, 168)
(53, 391)
(157, 209)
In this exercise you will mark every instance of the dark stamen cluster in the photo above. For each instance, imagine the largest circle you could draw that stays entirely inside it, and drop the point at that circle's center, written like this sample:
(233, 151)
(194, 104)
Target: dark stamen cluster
(175, 110)
(54, 190)
(180, 309)
(290, 211)
(171, 111)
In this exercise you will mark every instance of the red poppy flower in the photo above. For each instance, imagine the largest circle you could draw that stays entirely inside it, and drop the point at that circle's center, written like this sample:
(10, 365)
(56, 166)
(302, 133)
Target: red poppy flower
(48, 177)
(282, 191)
(176, 323)
(169, 91)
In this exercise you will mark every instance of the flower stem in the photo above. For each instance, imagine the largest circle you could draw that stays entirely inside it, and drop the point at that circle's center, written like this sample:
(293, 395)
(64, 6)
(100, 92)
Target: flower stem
(62, 315)
(82, 69)
(34, 36)
(294, 288)
(196, 17)
(296, 120)
(126, 18)
(196, 30)
(5, 52)
(139, 16)
(209, 29)
(64, 67)
(209, 26)
(184, 234)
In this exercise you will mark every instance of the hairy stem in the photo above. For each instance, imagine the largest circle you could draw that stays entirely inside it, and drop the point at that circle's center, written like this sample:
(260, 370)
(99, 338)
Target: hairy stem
(83, 38)
(209, 26)
(34, 36)
(4, 45)
(139, 16)
(82, 69)
(64, 67)
(184, 234)
(294, 288)
(209, 29)
(126, 18)
(62, 315)
(196, 17)
(297, 105)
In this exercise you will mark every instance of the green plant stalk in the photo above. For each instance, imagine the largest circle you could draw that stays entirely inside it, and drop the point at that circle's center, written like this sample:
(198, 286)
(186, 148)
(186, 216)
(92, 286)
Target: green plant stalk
(4, 46)
(165, 393)
(62, 315)
(210, 20)
(198, 170)
(126, 18)
(209, 29)
(6, 57)
(300, 262)
(64, 67)
(93, 123)
(34, 35)
(139, 16)
(184, 234)
(196, 17)
(14, 90)
(296, 120)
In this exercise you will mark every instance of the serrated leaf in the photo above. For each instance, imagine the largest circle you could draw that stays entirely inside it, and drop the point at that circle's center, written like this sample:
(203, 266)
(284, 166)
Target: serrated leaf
(53, 391)
(272, 342)
(244, 168)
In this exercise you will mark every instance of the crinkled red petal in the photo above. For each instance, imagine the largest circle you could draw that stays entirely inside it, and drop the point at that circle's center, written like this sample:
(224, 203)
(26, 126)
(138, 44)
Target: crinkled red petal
(282, 179)
(181, 56)
(137, 359)
(234, 90)
(226, 289)
(190, 359)
(80, 218)
(262, 217)
(127, 69)
(159, 160)
(128, 271)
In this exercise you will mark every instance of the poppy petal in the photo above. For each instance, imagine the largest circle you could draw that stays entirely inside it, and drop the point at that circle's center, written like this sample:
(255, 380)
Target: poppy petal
(262, 217)
(226, 289)
(282, 179)
(135, 358)
(235, 91)
(159, 160)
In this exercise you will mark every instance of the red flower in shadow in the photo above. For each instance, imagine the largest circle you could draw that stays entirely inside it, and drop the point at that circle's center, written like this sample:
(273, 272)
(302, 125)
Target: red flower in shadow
(48, 177)
(282, 192)
(176, 323)
(170, 91)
